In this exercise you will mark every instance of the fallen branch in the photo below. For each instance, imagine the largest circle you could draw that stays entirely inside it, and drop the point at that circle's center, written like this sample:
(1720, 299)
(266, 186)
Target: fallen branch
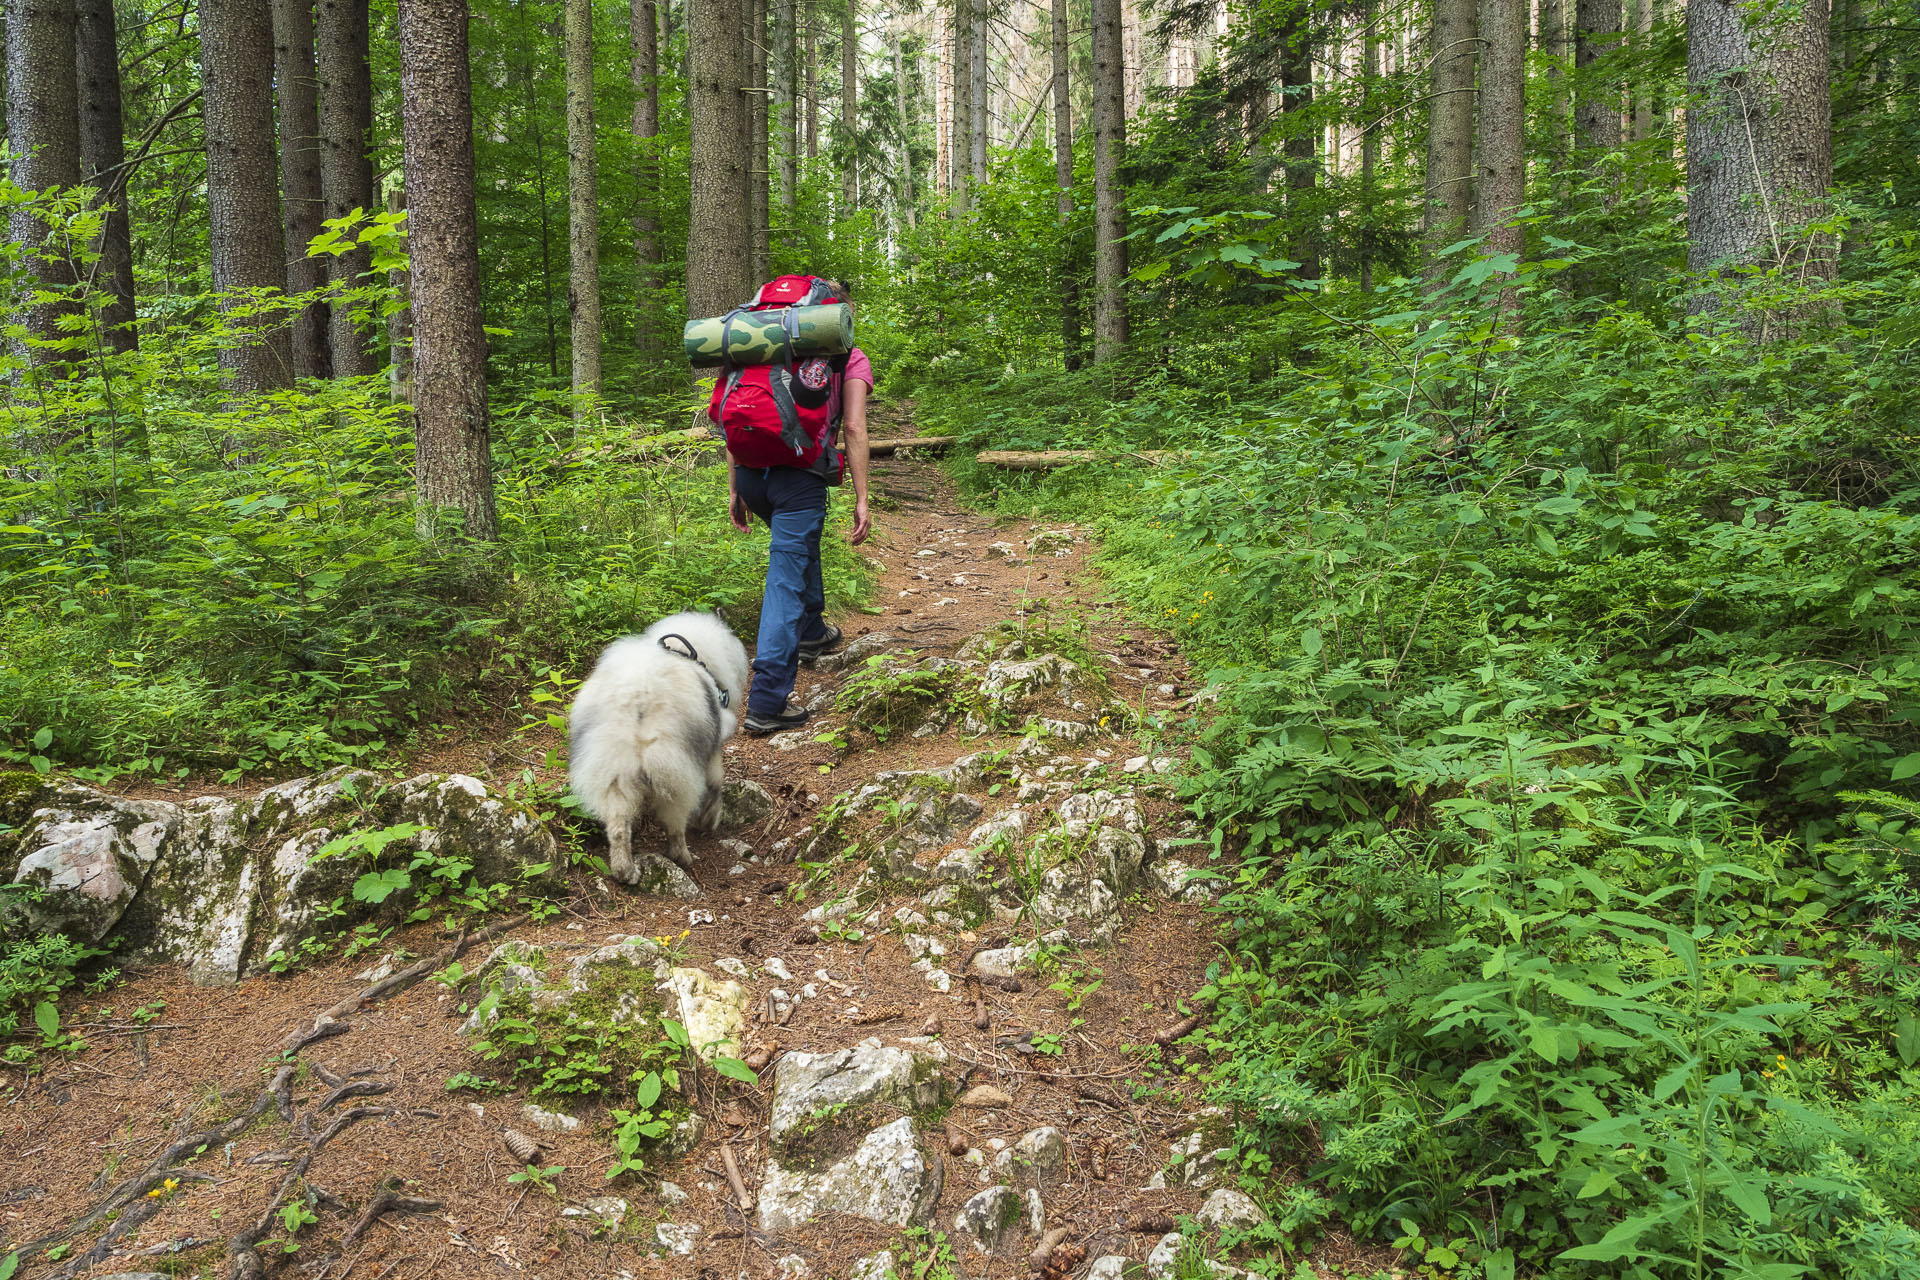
(733, 1177)
(1046, 459)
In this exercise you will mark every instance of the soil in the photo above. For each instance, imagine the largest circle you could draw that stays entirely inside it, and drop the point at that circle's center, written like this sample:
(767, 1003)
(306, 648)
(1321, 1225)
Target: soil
(74, 1126)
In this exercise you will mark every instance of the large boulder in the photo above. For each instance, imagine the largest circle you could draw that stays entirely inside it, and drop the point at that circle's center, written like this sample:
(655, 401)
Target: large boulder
(225, 885)
(810, 1089)
(887, 1179)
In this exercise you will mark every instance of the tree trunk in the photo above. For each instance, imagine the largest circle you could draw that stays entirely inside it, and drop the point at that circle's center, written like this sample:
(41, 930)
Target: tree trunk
(642, 36)
(346, 173)
(1302, 134)
(1070, 345)
(786, 115)
(531, 114)
(960, 139)
(43, 127)
(583, 209)
(850, 105)
(1553, 43)
(1109, 198)
(1450, 112)
(301, 203)
(102, 149)
(400, 323)
(1759, 140)
(1502, 185)
(453, 466)
(1369, 144)
(719, 229)
(757, 128)
(813, 85)
(1643, 93)
(243, 209)
(1596, 103)
(978, 119)
(900, 112)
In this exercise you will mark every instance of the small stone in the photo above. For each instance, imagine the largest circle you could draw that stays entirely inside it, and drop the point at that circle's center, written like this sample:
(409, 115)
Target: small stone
(733, 965)
(875, 1266)
(987, 1216)
(676, 1237)
(1110, 1267)
(738, 848)
(1036, 1213)
(777, 969)
(986, 1095)
(737, 869)
(1003, 962)
(1164, 690)
(609, 1209)
(1038, 1150)
(549, 1121)
(673, 1193)
(1165, 1253)
(1229, 1208)
(792, 1267)
(699, 917)
(1135, 764)
(940, 980)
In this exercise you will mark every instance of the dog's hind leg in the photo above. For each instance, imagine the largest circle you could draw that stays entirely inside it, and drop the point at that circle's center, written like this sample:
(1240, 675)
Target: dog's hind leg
(716, 792)
(620, 845)
(673, 813)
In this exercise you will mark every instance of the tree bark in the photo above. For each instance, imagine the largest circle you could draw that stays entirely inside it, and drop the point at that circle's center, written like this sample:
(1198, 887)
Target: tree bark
(979, 122)
(1300, 147)
(719, 230)
(960, 116)
(1553, 43)
(786, 113)
(1109, 197)
(902, 114)
(1759, 141)
(1369, 144)
(301, 203)
(583, 209)
(1596, 103)
(346, 172)
(850, 106)
(1642, 124)
(453, 466)
(243, 208)
(102, 150)
(1450, 112)
(643, 37)
(43, 127)
(757, 127)
(1502, 180)
(813, 83)
(400, 323)
(1070, 344)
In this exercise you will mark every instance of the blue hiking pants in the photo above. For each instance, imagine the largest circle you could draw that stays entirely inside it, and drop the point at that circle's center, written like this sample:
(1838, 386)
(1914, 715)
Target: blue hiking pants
(794, 505)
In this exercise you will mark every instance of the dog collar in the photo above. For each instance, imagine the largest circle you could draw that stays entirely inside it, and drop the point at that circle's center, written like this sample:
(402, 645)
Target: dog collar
(693, 655)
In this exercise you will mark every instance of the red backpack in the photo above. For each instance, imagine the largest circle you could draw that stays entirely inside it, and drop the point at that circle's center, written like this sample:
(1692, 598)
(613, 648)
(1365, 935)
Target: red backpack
(776, 415)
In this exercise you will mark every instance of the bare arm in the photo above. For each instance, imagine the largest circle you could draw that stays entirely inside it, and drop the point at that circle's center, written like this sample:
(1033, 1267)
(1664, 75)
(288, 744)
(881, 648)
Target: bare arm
(855, 425)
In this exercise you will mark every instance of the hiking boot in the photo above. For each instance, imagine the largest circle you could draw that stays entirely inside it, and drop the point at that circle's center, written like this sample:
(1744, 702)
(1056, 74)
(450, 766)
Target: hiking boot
(826, 642)
(787, 717)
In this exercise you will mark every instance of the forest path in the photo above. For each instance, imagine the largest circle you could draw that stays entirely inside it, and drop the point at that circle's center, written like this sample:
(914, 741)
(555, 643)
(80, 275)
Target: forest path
(1048, 1054)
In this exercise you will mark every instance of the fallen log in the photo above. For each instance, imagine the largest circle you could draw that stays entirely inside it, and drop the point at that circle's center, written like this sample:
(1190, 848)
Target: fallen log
(1046, 459)
(886, 448)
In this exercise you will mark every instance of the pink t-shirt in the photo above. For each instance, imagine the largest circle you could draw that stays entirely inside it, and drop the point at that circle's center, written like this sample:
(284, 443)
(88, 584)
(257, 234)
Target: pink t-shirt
(858, 366)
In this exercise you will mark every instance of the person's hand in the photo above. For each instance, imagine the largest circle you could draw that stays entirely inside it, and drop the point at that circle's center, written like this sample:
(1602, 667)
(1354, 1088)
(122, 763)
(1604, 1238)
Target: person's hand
(738, 513)
(862, 523)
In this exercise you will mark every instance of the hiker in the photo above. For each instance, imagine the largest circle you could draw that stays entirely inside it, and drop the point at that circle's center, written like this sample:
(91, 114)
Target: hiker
(757, 407)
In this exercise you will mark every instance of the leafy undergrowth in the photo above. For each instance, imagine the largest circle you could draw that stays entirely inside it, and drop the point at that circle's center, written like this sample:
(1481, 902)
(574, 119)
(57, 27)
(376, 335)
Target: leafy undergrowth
(1567, 690)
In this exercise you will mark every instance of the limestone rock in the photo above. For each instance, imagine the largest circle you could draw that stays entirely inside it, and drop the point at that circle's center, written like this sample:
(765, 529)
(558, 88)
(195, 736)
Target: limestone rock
(676, 1237)
(856, 652)
(1110, 1266)
(549, 1121)
(1008, 682)
(1004, 962)
(1174, 879)
(1229, 1208)
(1072, 892)
(886, 1179)
(875, 1266)
(88, 854)
(663, 877)
(987, 1218)
(1036, 1213)
(713, 1011)
(807, 1084)
(1165, 1253)
(1037, 1151)
(743, 802)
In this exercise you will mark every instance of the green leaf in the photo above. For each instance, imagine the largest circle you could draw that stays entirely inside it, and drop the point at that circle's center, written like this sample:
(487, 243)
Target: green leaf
(647, 1092)
(44, 738)
(1311, 641)
(1752, 1201)
(734, 1069)
(1906, 1038)
(1906, 767)
(46, 1016)
(675, 1032)
(378, 886)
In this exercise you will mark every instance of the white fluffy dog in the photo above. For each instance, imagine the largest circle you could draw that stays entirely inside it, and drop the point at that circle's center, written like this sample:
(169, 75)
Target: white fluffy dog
(647, 730)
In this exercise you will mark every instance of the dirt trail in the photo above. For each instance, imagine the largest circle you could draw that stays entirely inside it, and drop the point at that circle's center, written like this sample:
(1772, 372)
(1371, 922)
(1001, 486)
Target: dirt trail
(1061, 1046)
